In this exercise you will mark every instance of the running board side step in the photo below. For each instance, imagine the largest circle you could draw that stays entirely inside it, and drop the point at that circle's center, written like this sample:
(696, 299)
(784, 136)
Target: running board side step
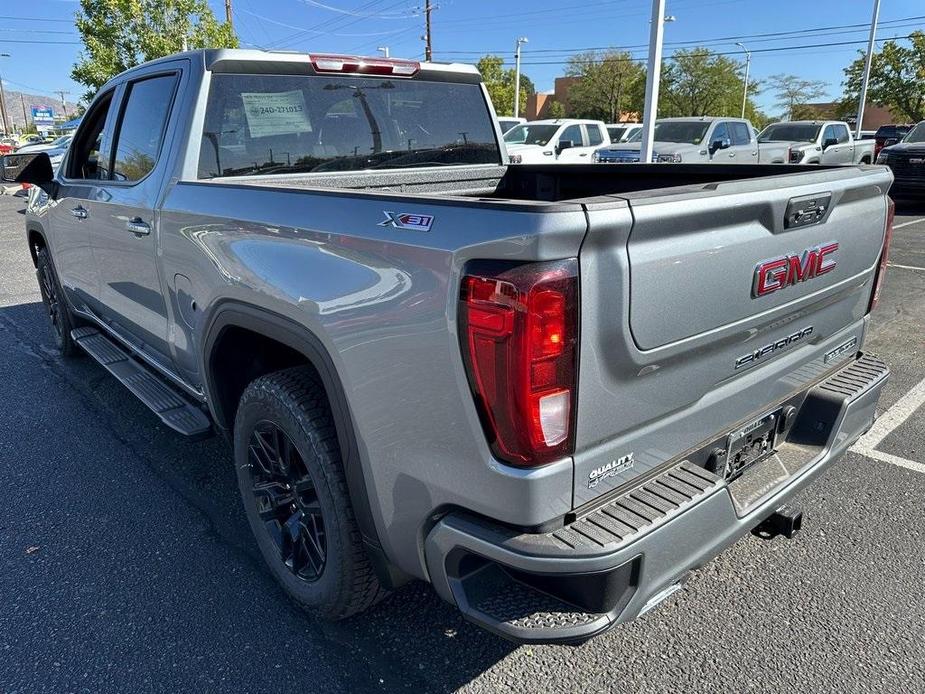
(174, 409)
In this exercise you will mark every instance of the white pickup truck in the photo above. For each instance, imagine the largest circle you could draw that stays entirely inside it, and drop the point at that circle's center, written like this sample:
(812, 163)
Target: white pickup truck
(819, 142)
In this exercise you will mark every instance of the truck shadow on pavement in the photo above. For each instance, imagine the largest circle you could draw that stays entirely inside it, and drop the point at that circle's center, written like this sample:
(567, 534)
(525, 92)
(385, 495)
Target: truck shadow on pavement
(127, 479)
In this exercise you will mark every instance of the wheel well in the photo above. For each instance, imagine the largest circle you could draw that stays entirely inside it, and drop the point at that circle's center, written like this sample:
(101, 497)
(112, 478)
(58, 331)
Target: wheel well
(865, 160)
(238, 357)
(36, 241)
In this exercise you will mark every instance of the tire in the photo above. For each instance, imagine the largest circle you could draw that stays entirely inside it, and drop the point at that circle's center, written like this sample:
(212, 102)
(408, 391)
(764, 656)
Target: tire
(284, 431)
(59, 314)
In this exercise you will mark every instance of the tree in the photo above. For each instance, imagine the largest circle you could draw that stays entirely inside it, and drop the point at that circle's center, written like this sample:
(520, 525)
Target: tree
(698, 82)
(610, 84)
(792, 91)
(500, 85)
(119, 34)
(897, 79)
(556, 110)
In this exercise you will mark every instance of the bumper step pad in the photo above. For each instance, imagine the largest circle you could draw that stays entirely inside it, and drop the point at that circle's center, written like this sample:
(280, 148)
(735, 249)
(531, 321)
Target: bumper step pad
(174, 409)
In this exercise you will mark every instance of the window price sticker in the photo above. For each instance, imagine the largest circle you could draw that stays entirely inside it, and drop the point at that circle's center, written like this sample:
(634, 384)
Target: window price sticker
(276, 113)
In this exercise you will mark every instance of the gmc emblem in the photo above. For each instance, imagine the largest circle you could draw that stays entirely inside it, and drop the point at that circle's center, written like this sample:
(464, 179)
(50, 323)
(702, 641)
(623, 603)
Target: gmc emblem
(772, 275)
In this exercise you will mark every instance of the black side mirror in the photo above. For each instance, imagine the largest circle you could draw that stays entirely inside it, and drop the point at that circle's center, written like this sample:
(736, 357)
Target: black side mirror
(33, 167)
(829, 141)
(719, 144)
(564, 144)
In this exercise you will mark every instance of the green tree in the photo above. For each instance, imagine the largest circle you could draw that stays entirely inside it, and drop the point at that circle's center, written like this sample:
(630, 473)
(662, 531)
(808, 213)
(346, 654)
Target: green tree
(698, 82)
(500, 84)
(791, 92)
(556, 110)
(897, 79)
(611, 83)
(119, 34)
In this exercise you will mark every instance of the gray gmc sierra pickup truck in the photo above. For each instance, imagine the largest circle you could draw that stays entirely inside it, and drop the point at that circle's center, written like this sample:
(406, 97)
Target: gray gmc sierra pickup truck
(550, 391)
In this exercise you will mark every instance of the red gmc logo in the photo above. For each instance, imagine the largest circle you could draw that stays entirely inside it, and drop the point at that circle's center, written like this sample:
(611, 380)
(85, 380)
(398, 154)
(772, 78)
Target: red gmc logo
(772, 275)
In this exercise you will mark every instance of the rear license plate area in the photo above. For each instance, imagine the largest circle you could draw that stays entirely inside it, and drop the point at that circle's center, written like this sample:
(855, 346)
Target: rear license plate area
(752, 443)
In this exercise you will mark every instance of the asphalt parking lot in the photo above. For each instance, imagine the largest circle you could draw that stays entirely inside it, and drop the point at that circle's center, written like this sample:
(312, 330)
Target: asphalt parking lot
(126, 563)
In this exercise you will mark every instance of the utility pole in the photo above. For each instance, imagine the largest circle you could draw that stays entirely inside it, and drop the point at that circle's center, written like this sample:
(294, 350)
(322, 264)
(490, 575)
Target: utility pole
(867, 61)
(6, 128)
(748, 64)
(653, 76)
(61, 93)
(428, 46)
(25, 120)
(228, 14)
(520, 41)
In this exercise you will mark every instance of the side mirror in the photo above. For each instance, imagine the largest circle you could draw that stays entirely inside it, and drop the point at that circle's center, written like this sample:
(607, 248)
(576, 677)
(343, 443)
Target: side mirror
(719, 144)
(829, 141)
(33, 167)
(564, 144)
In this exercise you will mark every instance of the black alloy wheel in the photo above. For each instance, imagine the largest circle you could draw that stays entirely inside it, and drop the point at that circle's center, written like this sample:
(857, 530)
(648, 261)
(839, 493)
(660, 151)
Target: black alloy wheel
(287, 501)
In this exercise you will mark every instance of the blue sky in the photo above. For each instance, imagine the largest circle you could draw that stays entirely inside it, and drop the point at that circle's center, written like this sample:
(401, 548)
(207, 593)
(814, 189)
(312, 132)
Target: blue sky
(43, 43)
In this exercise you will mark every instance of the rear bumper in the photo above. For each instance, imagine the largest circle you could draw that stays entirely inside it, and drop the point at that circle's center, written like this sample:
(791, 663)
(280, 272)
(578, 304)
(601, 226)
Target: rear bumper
(621, 558)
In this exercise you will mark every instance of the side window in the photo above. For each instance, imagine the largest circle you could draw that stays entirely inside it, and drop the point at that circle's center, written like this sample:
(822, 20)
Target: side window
(141, 127)
(740, 134)
(841, 132)
(829, 133)
(85, 160)
(594, 135)
(719, 133)
(573, 133)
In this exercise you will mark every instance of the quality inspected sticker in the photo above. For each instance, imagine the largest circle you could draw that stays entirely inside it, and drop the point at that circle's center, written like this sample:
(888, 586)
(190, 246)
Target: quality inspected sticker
(276, 113)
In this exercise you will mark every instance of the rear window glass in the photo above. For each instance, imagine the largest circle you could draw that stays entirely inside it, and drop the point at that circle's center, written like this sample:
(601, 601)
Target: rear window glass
(277, 124)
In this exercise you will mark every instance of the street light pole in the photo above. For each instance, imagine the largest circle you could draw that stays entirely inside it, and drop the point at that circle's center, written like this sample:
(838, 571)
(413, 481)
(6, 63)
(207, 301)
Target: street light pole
(748, 64)
(520, 41)
(653, 76)
(867, 60)
(6, 129)
(384, 50)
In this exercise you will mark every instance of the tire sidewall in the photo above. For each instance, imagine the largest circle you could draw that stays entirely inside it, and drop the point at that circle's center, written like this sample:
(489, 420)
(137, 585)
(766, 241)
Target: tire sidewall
(263, 404)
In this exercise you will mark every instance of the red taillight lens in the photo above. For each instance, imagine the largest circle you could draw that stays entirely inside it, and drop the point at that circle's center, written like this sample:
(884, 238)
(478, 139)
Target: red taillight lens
(519, 335)
(884, 256)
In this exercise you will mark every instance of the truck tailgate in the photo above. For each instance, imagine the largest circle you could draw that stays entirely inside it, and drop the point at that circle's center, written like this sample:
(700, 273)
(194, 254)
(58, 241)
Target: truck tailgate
(682, 288)
(694, 261)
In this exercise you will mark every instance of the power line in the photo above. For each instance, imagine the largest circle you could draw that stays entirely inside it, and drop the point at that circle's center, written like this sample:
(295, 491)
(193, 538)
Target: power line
(43, 43)
(779, 49)
(333, 23)
(37, 19)
(825, 30)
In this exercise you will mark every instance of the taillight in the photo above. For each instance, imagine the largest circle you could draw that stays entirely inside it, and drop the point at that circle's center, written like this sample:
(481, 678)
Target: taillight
(351, 64)
(519, 336)
(884, 256)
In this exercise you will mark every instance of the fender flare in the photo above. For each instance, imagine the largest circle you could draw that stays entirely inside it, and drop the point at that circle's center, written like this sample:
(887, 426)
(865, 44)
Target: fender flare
(236, 314)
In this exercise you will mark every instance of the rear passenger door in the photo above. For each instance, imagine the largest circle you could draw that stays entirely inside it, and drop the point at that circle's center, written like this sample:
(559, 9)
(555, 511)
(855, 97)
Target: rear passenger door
(744, 146)
(124, 232)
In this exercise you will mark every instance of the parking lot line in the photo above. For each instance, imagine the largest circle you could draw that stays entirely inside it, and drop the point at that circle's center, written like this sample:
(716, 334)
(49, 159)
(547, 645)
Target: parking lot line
(906, 267)
(905, 224)
(901, 410)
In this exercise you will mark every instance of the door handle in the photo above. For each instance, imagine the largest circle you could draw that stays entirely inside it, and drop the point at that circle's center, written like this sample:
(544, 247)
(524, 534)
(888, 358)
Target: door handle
(732, 154)
(136, 226)
(583, 154)
(80, 212)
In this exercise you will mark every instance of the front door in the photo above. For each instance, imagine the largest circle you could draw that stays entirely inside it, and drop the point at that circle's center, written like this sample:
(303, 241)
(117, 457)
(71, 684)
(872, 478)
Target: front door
(72, 212)
(577, 153)
(124, 231)
(842, 151)
(744, 146)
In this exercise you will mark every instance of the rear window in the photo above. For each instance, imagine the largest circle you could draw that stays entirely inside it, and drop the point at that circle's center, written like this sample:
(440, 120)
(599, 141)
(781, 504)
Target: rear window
(278, 124)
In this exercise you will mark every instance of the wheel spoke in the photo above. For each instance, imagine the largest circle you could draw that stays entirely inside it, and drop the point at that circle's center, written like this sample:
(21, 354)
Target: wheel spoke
(287, 501)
